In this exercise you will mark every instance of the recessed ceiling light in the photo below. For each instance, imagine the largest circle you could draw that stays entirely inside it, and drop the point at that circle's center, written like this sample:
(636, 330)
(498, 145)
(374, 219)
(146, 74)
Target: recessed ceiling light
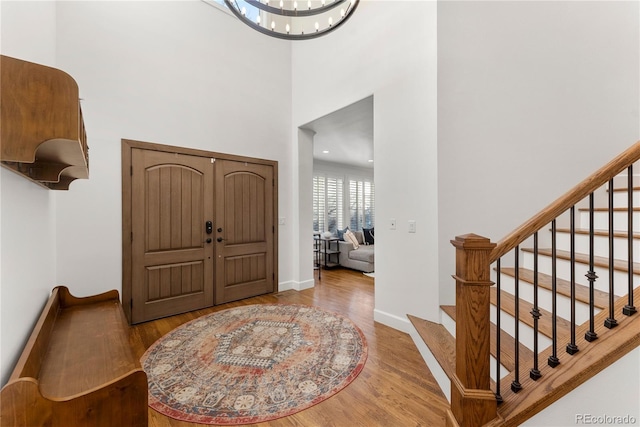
(325, 151)
(370, 160)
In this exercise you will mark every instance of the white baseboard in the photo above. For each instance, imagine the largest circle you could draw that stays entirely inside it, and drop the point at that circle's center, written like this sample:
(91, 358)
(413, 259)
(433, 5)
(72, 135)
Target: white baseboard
(285, 286)
(296, 286)
(393, 321)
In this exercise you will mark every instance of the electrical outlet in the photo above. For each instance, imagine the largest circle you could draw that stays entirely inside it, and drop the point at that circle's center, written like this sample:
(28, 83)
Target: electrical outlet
(280, 221)
(412, 226)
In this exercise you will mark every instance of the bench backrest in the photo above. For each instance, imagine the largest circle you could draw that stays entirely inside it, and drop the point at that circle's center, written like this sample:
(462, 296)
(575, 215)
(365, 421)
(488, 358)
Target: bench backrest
(35, 350)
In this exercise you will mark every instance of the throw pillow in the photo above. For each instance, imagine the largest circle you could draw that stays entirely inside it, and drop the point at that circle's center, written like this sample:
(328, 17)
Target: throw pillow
(351, 238)
(368, 235)
(340, 233)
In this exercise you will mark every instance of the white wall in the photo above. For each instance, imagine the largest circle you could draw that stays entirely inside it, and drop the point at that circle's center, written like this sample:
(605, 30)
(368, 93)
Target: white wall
(388, 50)
(532, 98)
(303, 218)
(342, 169)
(27, 223)
(178, 73)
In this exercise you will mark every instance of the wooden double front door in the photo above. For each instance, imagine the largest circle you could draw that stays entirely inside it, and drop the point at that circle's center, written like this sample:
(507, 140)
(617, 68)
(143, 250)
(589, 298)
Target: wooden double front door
(202, 230)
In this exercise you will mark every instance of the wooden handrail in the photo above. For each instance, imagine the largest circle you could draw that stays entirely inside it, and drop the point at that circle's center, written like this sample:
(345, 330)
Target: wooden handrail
(573, 196)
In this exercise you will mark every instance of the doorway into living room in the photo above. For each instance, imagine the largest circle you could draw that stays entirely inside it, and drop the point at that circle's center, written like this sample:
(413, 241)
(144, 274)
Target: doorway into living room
(343, 190)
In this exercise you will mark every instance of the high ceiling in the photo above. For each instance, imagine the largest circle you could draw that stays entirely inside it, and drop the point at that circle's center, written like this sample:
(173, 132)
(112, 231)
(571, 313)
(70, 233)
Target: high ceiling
(345, 136)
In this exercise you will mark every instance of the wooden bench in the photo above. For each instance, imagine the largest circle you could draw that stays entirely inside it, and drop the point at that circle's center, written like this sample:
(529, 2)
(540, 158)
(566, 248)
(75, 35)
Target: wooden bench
(77, 369)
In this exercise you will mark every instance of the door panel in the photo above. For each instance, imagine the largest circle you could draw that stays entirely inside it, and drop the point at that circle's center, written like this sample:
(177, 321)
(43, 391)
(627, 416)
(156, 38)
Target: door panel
(172, 264)
(245, 230)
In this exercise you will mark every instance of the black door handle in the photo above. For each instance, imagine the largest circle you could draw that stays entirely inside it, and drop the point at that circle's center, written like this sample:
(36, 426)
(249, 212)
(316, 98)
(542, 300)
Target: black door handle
(219, 239)
(209, 240)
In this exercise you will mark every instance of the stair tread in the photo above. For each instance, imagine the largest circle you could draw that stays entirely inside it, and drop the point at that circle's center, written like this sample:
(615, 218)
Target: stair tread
(507, 304)
(635, 209)
(441, 343)
(581, 258)
(620, 189)
(622, 234)
(592, 358)
(563, 287)
(507, 343)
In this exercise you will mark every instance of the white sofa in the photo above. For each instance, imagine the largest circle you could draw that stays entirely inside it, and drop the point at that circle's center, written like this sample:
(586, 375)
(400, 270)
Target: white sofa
(361, 259)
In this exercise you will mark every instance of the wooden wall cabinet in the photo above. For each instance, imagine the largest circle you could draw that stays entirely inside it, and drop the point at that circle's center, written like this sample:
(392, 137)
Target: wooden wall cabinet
(42, 135)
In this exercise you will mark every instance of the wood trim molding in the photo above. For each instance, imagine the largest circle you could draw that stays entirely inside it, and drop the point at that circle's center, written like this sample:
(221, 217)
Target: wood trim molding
(450, 420)
(194, 152)
(127, 228)
(472, 407)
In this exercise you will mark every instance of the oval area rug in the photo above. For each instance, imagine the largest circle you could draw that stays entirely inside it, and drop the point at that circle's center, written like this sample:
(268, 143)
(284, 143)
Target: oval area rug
(252, 363)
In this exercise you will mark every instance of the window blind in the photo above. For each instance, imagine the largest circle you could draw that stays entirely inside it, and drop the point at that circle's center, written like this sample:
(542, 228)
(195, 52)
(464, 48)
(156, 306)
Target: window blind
(328, 202)
(361, 204)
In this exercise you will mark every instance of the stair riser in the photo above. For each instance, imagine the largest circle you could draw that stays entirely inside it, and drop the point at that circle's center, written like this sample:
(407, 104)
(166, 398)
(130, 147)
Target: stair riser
(601, 220)
(563, 303)
(621, 199)
(564, 271)
(450, 325)
(600, 246)
(507, 324)
(492, 369)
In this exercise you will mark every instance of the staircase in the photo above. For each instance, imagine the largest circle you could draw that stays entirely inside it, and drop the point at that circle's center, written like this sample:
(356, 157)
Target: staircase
(545, 309)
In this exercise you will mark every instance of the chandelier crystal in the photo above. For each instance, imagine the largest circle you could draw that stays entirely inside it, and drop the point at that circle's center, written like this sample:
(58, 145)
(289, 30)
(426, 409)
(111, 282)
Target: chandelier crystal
(293, 19)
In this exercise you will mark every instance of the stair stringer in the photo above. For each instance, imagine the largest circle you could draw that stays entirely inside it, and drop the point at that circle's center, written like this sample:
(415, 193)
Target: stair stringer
(537, 402)
(591, 399)
(573, 371)
(562, 382)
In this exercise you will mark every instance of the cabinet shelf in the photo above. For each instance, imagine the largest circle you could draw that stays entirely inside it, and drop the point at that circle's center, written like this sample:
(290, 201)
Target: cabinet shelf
(328, 250)
(42, 134)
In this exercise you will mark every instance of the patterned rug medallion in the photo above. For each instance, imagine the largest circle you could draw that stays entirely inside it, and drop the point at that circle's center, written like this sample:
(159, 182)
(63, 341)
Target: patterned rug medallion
(253, 363)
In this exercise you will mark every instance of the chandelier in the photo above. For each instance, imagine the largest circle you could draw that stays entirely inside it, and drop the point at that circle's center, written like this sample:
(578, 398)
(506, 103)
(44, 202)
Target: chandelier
(293, 19)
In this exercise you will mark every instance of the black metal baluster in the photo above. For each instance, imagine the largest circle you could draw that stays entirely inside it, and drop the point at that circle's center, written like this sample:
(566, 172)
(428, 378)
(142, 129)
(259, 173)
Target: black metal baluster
(534, 374)
(591, 275)
(515, 384)
(611, 322)
(553, 360)
(498, 395)
(630, 309)
(572, 348)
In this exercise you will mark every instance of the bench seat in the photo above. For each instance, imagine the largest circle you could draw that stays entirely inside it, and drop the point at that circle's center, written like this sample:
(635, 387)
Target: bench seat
(78, 368)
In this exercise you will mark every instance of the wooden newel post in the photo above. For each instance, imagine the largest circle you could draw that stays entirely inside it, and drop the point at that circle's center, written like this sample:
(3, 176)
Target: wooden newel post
(472, 401)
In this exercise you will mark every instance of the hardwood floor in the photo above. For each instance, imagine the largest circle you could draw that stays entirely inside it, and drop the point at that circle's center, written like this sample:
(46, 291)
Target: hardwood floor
(395, 388)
